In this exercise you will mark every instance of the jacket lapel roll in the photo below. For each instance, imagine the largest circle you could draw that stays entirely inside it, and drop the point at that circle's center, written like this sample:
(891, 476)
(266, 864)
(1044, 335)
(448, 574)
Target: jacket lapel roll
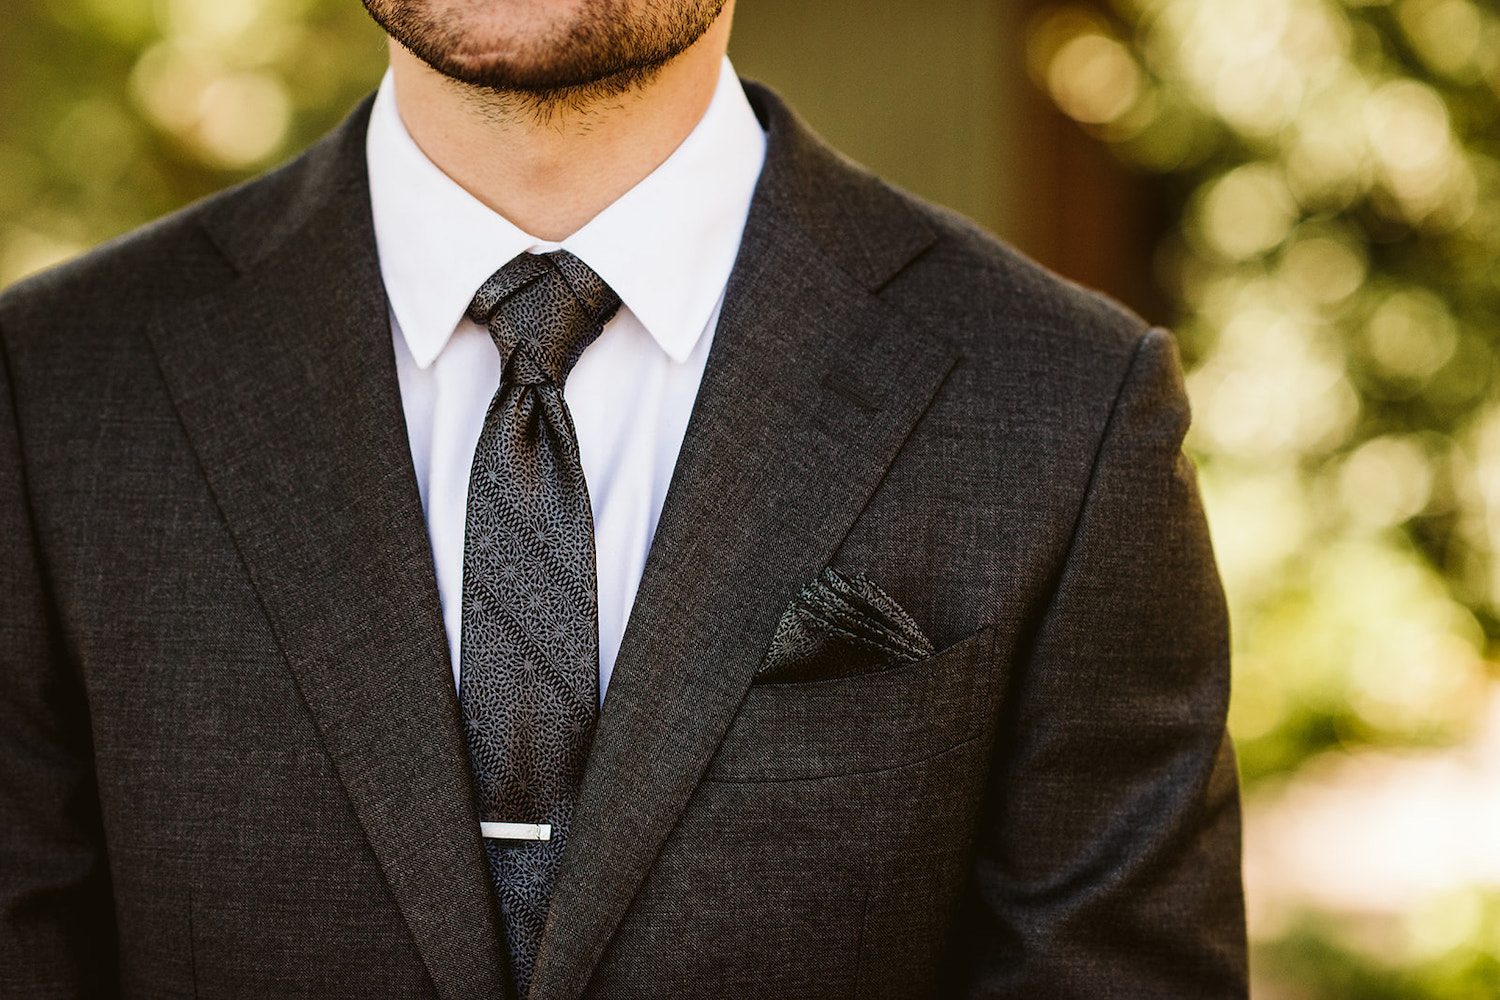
(295, 415)
(296, 418)
(788, 439)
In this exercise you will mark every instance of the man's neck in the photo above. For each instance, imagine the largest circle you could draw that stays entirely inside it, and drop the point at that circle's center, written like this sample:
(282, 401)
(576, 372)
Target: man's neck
(549, 170)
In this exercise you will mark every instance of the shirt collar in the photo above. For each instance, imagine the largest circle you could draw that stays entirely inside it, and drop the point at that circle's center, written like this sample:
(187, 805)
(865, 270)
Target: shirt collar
(666, 246)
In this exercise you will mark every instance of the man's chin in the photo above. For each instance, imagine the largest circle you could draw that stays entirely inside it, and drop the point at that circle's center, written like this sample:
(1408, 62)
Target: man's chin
(504, 75)
(542, 78)
(606, 47)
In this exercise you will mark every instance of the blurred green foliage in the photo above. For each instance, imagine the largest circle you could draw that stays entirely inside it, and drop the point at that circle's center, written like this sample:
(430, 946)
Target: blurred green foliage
(1334, 171)
(115, 111)
(1314, 959)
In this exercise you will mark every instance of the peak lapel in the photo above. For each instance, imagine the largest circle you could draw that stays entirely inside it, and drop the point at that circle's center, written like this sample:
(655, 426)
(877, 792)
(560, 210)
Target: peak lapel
(287, 387)
(810, 389)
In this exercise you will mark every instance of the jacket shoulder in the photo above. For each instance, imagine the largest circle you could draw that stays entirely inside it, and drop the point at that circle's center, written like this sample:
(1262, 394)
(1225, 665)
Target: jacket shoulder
(994, 293)
(941, 269)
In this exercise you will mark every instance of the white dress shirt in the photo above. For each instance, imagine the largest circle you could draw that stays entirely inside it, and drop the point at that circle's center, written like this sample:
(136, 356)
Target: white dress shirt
(666, 247)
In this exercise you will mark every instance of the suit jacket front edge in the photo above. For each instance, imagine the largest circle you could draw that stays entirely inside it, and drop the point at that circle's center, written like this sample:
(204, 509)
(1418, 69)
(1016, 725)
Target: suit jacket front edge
(823, 366)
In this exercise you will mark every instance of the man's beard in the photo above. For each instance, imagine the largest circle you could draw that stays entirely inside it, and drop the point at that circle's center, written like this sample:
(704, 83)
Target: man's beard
(609, 48)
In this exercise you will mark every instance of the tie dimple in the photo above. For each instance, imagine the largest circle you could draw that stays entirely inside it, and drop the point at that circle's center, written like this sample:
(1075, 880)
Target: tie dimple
(529, 648)
(551, 306)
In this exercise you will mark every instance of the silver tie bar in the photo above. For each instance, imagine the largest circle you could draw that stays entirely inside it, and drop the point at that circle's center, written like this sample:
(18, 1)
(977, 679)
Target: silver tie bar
(516, 831)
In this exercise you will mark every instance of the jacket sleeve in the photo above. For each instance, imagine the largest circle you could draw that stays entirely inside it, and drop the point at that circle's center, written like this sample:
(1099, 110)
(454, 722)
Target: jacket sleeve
(1108, 863)
(56, 928)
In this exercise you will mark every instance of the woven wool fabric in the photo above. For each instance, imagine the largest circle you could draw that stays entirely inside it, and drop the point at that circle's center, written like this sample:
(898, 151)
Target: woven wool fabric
(231, 759)
(529, 666)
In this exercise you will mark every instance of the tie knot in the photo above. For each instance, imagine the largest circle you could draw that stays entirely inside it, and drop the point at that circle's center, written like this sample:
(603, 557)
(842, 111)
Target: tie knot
(542, 311)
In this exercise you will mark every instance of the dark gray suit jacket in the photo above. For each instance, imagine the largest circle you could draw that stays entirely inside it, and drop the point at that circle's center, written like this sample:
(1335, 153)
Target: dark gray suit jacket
(230, 756)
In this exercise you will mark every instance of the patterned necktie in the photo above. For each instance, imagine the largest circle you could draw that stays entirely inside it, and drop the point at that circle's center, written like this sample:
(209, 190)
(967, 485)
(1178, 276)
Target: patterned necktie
(529, 654)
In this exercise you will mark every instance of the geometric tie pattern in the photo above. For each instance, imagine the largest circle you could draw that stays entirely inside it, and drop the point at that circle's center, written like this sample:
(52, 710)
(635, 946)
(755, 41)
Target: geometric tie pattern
(529, 647)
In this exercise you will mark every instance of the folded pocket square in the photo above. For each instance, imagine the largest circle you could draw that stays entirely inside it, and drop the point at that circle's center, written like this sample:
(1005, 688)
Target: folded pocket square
(837, 627)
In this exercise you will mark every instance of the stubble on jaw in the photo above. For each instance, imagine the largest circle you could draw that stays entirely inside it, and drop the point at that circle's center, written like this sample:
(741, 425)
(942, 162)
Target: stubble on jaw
(574, 71)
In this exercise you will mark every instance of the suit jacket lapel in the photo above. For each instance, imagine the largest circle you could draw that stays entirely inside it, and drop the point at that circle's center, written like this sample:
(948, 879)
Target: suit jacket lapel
(811, 387)
(287, 387)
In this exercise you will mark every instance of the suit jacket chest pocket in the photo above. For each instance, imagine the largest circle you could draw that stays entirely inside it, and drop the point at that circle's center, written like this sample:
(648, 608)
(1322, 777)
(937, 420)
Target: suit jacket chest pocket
(860, 723)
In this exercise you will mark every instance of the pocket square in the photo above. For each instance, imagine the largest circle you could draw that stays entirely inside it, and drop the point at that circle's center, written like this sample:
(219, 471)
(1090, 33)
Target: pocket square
(839, 626)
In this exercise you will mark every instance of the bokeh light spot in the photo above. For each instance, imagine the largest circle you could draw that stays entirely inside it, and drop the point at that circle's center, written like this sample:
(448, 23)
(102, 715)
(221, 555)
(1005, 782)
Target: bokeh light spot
(1323, 270)
(1411, 333)
(1248, 211)
(1386, 481)
(1446, 34)
(1094, 79)
(243, 118)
